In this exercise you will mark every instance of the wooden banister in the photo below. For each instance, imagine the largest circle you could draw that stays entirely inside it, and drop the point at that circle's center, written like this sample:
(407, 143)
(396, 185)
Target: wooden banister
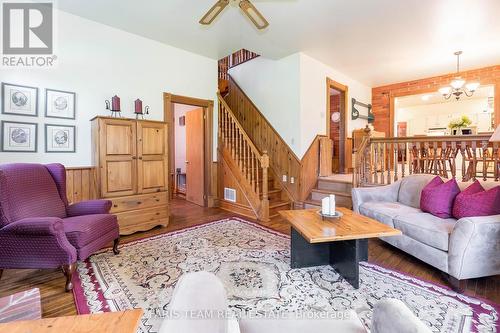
(252, 165)
(380, 161)
(283, 161)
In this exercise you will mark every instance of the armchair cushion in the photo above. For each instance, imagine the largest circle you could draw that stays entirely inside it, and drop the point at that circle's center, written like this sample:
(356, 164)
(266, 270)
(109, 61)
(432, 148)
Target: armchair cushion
(81, 230)
(89, 207)
(36, 226)
(426, 228)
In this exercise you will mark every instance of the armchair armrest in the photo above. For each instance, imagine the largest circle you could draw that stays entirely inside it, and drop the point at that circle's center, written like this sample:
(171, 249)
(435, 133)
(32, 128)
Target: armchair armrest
(46, 226)
(361, 195)
(89, 207)
(392, 316)
(474, 249)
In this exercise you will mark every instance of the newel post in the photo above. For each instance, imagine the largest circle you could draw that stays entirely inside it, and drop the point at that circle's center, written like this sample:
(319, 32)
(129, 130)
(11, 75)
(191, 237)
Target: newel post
(264, 212)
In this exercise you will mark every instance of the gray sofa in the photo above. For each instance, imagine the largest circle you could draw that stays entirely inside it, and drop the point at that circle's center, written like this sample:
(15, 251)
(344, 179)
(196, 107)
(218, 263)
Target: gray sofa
(464, 249)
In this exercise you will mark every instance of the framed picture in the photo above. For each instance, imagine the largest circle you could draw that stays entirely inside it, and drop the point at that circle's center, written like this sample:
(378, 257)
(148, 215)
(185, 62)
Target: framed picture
(19, 100)
(59, 104)
(59, 138)
(19, 137)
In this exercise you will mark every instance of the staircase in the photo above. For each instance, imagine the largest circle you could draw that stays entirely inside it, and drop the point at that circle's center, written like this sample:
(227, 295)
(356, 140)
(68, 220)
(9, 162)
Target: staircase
(327, 185)
(249, 169)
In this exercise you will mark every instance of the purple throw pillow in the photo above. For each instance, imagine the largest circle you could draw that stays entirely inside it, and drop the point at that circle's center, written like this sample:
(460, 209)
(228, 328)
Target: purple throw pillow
(475, 201)
(437, 197)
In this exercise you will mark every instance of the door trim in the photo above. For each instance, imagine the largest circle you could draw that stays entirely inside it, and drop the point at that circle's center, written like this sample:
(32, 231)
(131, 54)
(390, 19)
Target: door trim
(210, 195)
(343, 129)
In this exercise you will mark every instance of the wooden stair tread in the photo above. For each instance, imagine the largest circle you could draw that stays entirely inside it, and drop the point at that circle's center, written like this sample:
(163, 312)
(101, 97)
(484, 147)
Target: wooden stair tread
(340, 181)
(341, 194)
(278, 203)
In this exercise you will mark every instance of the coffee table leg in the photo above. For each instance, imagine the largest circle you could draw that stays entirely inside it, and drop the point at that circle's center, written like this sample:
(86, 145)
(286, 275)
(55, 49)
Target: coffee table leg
(305, 254)
(345, 257)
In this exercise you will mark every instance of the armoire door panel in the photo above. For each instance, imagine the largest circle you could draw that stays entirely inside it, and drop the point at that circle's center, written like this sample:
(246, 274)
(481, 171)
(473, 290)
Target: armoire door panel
(152, 166)
(120, 177)
(153, 139)
(153, 175)
(119, 139)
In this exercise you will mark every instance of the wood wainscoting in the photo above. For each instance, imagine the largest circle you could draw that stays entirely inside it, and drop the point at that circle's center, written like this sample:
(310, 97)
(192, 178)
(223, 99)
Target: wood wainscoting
(81, 184)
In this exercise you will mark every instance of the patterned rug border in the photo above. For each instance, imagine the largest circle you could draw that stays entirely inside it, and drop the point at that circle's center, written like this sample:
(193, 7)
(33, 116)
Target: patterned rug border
(82, 307)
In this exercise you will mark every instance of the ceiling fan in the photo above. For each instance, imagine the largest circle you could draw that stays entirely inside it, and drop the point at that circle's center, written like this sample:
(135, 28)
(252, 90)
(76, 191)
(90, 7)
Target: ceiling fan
(246, 6)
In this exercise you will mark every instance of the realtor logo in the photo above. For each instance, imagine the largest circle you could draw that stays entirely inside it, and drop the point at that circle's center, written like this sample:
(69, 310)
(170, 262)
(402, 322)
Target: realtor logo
(27, 34)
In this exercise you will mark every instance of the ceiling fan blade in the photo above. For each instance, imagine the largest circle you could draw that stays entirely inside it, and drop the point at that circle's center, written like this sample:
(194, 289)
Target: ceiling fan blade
(214, 11)
(253, 14)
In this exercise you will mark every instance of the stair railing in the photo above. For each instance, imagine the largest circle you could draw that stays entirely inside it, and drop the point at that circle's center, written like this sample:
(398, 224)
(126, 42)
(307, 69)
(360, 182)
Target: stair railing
(380, 161)
(252, 164)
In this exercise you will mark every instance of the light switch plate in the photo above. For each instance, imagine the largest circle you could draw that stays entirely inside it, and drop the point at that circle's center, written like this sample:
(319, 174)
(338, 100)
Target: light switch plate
(292, 180)
(284, 178)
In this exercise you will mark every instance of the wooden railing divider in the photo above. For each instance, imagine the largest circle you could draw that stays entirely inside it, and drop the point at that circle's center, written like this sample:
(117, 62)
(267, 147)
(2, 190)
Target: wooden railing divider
(380, 161)
(252, 164)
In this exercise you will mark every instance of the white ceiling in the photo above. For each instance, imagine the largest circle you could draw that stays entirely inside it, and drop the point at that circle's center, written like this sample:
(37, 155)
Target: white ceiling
(374, 41)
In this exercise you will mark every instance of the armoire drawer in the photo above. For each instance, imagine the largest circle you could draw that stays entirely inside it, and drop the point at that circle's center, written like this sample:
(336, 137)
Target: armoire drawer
(142, 219)
(140, 201)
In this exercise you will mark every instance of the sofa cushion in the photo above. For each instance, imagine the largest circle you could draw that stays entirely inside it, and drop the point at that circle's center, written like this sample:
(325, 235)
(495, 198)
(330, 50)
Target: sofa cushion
(385, 212)
(411, 188)
(426, 228)
(81, 230)
(475, 201)
(437, 197)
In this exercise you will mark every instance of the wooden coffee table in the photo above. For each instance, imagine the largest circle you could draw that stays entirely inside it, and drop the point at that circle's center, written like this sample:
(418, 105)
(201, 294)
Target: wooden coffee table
(341, 243)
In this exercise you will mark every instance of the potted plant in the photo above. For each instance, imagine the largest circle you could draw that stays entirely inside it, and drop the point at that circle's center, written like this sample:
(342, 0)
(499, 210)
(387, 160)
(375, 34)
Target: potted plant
(457, 124)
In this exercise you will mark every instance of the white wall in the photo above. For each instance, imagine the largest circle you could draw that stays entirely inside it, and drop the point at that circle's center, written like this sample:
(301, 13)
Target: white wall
(97, 61)
(313, 98)
(274, 87)
(421, 117)
(291, 93)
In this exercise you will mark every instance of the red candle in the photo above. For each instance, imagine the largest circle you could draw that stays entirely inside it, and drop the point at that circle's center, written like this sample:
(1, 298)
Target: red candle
(138, 106)
(115, 103)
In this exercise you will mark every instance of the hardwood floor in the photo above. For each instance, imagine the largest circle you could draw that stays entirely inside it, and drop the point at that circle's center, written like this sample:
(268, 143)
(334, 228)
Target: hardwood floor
(56, 302)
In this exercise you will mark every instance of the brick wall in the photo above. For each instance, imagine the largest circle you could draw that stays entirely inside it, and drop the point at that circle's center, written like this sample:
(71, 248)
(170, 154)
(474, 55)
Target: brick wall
(383, 97)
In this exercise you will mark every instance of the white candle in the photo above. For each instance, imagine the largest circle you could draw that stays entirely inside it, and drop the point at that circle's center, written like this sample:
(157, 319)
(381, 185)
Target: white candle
(331, 200)
(325, 206)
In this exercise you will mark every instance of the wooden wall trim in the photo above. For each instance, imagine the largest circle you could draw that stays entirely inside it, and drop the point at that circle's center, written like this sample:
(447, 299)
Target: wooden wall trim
(208, 107)
(309, 168)
(345, 117)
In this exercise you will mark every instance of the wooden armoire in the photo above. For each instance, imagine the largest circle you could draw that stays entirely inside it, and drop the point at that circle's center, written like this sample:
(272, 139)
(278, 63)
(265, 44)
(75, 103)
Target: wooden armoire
(131, 157)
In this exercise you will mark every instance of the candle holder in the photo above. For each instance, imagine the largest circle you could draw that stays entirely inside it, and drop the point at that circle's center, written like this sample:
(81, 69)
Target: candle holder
(138, 109)
(114, 106)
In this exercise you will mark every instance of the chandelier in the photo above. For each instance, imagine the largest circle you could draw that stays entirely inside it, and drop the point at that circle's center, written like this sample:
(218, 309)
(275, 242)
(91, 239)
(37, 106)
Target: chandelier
(458, 86)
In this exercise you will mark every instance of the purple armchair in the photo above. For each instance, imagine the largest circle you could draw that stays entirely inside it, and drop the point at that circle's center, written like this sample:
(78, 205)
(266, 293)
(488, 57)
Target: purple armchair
(39, 229)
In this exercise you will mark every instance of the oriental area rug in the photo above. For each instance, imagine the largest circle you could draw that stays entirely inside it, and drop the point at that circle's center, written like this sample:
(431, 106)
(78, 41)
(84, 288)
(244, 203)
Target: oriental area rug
(254, 265)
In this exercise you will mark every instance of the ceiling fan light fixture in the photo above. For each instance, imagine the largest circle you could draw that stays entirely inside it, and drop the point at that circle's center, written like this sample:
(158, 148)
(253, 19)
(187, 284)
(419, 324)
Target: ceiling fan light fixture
(213, 12)
(253, 14)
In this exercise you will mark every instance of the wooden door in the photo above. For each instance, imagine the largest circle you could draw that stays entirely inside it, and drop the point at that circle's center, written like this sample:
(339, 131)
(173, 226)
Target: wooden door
(152, 163)
(117, 150)
(195, 182)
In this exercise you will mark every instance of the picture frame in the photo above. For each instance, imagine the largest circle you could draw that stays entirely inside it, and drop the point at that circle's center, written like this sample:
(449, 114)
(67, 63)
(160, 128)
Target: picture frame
(19, 100)
(19, 137)
(60, 138)
(60, 104)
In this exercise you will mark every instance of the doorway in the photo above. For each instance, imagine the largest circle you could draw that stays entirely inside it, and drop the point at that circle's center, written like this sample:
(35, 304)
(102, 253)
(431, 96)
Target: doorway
(190, 123)
(337, 124)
